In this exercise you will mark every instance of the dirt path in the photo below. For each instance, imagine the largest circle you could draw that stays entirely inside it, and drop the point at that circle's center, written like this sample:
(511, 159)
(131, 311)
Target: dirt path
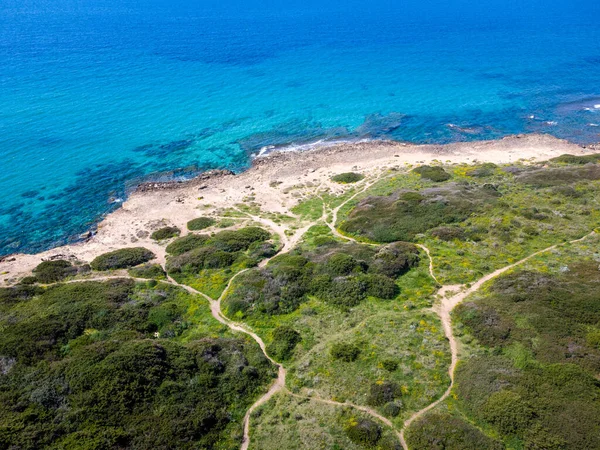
(449, 301)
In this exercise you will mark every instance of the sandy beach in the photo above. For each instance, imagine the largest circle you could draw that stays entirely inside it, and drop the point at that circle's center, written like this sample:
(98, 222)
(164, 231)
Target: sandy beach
(276, 182)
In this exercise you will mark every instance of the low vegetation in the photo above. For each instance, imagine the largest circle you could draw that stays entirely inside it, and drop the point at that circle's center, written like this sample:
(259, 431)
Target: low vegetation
(347, 177)
(122, 259)
(120, 365)
(165, 233)
(201, 223)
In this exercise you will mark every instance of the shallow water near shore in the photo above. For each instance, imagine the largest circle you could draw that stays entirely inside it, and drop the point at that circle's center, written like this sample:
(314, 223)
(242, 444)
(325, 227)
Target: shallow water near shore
(98, 96)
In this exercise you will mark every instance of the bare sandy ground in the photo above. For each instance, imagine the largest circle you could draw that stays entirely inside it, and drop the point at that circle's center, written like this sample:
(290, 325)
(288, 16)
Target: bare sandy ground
(276, 182)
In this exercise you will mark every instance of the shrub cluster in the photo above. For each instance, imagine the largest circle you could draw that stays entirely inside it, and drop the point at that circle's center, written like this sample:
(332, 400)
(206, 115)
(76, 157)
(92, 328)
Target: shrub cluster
(347, 177)
(52, 271)
(536, 382)
(165, 233)
(382, 393)
(364, 432)
(344, 352)
(150, 271)
(433, 173)
(122, 259)
(193, 253)
(442, 431)
(284, 342)
(90, 347)
(396, 218)
(333, 274)
(577, 159)
(201, 223)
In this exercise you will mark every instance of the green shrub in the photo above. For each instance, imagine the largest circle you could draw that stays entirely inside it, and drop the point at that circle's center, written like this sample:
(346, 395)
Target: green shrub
(284, 342)
(122, 259)
(433, 173)
(364, 432)
(165, 233)
(577, 159)
(201, 223)
(391, 365)
(186, 243)
(508, 411)
(382, 393)
(148, 271)
(380, 286)
(340, 264)
(448, 233)
(344, 352)
(346, 292)
(239, 240)
(52, 271)
(441, 431)
(347, 177)
(392, 409)
(395, 259)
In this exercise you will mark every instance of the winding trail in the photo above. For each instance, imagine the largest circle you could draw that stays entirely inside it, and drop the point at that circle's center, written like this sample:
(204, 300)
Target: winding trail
(451, 296)
(444, 311)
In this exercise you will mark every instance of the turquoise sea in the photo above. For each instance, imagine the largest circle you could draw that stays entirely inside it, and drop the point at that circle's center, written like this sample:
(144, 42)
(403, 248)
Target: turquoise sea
(96, 96)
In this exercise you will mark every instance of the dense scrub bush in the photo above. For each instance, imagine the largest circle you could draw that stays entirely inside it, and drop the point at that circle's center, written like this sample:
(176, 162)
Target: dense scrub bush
(186, 243)
(364, 432)
(284, 342)
(433, 173)
(508, 411)
(347, 177)
(165, 233)
(148, 271)
(19, 293)
(380, 286)
(392, 409)
(382, 393)
(346, 292)
(391, 365)
(577, 159)
(122, 259)
(543, 389)
(201, 223)
(482, 171)
(391, 218)
(448, 233)
(340, 274)
(559, 175)
(239, 240)
(90, 347)
(52, 271)
(344, 352)
(395, 259)
(441, 431)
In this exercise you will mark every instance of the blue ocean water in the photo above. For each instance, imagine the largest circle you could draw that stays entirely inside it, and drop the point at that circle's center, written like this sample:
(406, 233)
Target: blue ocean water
(96, 96)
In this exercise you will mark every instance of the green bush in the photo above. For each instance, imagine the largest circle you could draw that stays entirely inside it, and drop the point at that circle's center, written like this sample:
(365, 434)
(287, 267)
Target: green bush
(441, 431)
(52, 271)
(364, 432)
(346, 292)
(347, 177)
(284, 342)
(433, 173)
(382, 393)
(391, 365)
(577, 159)
(186, 243)
(341, 264)
(448, 234)
(395, 259)
(165, 233)
(122, 259)
(201, 223)
(91, 347)
(344, 352)
(239, 240)
(508, 411)
(392, 409)
(380, 286)
(148, 271)
(390, 218)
